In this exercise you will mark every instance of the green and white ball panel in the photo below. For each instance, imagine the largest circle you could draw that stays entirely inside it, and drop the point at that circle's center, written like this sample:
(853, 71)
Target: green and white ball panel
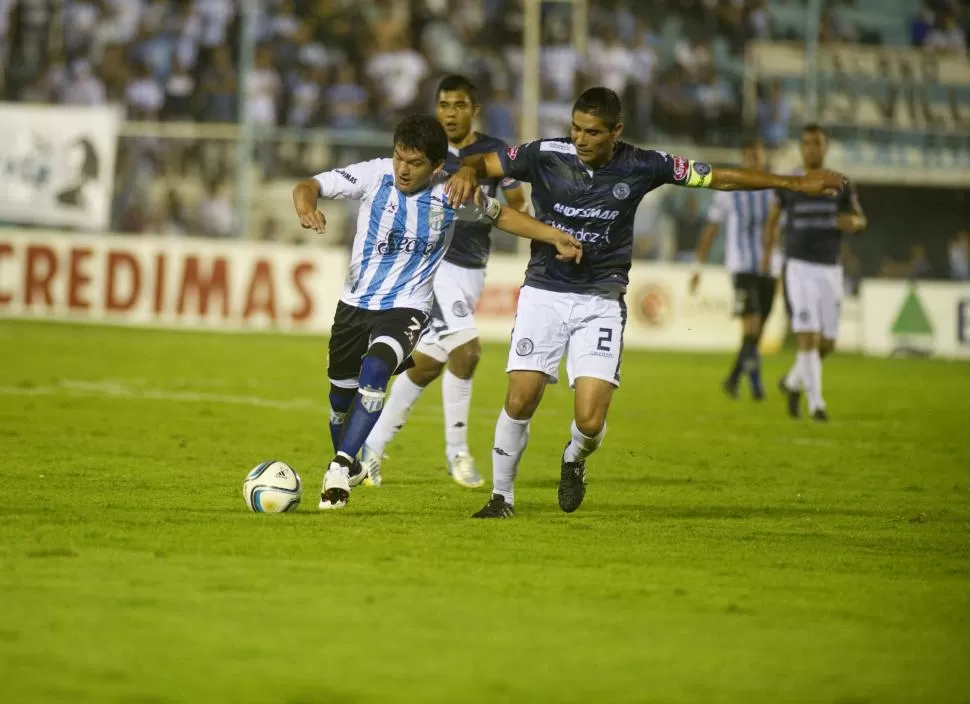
(272, 487)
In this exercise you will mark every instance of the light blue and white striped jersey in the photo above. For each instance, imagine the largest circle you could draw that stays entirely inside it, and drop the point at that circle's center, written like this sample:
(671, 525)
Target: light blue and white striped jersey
(742, 216)
(401, 238)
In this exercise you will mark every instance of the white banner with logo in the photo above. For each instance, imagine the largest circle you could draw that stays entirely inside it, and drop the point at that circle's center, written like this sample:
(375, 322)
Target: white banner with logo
(58, 165)
(902, 318)
(170, 282)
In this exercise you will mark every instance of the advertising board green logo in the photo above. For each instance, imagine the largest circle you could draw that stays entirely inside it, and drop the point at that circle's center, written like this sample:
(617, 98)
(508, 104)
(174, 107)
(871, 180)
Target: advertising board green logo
(912, 329)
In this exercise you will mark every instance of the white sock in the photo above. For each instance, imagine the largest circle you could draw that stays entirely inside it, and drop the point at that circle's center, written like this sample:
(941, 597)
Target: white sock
(511, 437)
(581, 446)
(456, 395)
(794, 378)
(813, 380)
(397, 406)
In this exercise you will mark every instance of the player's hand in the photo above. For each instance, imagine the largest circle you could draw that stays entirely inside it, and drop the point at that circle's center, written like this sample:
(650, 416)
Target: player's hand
(821, 182)
(313, 220)
(570, 249)
(461, 186)
(694, 283)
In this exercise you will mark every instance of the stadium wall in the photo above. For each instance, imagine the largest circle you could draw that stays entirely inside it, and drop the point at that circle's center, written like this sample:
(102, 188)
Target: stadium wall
(222, 285)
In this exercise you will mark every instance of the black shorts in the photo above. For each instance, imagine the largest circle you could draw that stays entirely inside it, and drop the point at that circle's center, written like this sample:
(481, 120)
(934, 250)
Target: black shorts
(355, 329)
(753, 295)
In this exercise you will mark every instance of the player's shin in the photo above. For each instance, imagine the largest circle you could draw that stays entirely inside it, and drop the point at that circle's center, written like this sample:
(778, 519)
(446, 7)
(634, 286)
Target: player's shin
(375, 372)
(456, 396)
(340, 402)
(511, 438)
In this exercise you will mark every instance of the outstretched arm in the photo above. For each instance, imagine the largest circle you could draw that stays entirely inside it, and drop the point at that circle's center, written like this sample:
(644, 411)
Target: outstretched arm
(817, 182)
(486, 209)
(462, 184)
(526, 226)
(349, 182)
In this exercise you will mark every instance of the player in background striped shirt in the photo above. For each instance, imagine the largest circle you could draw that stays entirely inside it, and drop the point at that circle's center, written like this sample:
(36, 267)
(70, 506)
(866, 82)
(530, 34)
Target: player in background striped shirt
(742, 215)
(404, 227)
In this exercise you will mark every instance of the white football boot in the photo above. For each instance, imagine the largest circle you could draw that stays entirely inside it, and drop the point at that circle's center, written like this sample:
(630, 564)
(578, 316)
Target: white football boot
(462, 469)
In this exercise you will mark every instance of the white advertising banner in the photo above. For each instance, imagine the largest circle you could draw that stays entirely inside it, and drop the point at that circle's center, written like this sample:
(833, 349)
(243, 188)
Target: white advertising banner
(58, 165)
(902, 318)
(170, 282)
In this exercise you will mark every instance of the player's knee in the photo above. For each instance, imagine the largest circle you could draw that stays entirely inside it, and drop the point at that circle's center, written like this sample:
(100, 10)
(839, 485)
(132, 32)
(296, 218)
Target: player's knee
(826, 347)
(464, 359)
(590, 421)
(377, 366)
(425, 370)
(521, 402)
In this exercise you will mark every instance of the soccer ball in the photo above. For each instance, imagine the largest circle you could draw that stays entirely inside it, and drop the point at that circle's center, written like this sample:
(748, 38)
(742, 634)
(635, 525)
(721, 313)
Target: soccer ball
(272, 487)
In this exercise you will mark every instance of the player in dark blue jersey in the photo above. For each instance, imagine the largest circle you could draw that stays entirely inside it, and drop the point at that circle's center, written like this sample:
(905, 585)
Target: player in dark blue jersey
(450, 345)
(588, 185)
(814, 228)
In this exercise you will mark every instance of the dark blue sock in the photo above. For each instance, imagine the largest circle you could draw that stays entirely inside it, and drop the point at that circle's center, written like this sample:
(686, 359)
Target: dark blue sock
(340, 402)
(375, 372)
(747, 353)
(753, 368)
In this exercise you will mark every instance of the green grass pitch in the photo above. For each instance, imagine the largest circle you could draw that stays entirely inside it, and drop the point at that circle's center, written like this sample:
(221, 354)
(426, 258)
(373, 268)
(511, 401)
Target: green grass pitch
(724, 552)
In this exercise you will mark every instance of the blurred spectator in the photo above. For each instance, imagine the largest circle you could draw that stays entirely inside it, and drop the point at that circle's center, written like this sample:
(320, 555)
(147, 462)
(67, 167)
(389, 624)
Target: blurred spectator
(144, 96)
(263, 89)
(612, 63)
(694, 57)
(215, 214)
(346, 100)
(219, 88)
(171, 218)
(919, 266)
(397, 72)
(948, 37)
(922, 24)
(959, 256)
(774, 116)
(82, 86)
(498, 116)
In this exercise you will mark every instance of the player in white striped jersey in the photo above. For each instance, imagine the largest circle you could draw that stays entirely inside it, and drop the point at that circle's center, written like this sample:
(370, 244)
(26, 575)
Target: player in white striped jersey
(743, 216)
(403, 230)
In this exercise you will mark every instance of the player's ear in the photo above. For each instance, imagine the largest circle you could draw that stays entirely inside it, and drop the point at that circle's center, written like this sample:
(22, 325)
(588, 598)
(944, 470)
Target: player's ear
(476, 110)
(618, 130)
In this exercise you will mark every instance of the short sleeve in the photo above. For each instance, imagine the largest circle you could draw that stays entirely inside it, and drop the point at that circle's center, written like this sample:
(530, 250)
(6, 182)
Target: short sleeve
(676, 170)
(520, 162)
(719, 209)
(348, 182)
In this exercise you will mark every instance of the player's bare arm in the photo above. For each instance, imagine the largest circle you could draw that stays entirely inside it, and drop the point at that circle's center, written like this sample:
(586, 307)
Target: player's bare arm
(515, 199)
(855, 222)
(526, 226)
(770, 237)
(305, 196)
(703, 250)
(462, 185)
(814, 183)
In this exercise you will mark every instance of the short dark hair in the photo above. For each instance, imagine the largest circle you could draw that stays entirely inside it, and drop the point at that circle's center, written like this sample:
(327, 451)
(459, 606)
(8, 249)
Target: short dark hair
(814, 127)
(457, 82)
(423, 133)
(602, 103)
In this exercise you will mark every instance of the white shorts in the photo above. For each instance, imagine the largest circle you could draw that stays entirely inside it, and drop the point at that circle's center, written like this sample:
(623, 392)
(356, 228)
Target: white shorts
(813, 293)
(587, 329)
(456, 293)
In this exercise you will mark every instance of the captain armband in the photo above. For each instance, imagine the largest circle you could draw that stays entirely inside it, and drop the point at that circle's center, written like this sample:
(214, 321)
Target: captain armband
(692, 174)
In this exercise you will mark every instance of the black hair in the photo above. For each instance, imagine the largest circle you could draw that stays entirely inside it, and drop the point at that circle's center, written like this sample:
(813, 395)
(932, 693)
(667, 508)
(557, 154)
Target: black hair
(814, 127)
(457, 82)
(422, 133)
(602, 103)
